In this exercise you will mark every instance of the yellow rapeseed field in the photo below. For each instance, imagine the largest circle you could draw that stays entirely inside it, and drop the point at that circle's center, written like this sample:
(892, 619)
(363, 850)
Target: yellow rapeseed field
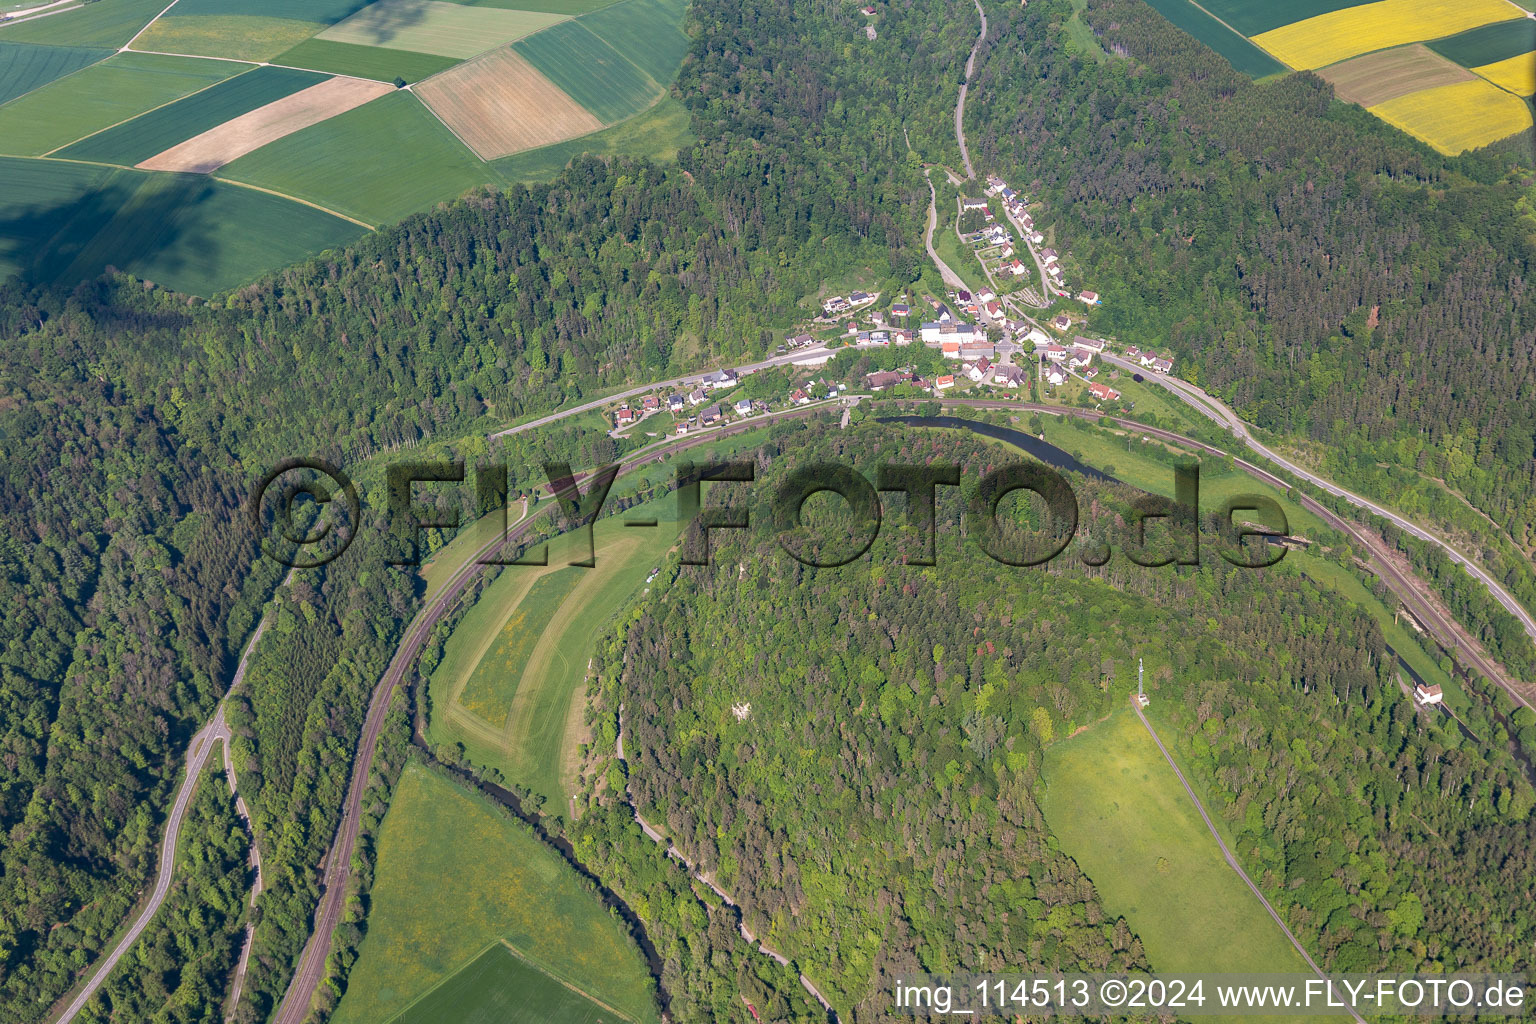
(1327, 38)
(1457, 117)
(1517, 74)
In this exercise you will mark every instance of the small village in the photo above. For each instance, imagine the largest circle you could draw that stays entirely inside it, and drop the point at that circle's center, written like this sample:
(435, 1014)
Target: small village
(990, 347)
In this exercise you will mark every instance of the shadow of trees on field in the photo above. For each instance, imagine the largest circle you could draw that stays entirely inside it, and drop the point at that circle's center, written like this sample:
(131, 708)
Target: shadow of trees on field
(143, 224)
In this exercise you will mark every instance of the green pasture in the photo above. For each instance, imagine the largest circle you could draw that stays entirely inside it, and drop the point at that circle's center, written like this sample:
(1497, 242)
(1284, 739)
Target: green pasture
(648, 32)
(376, 62)
(98, 97)
(1488, 44)
(237, 36)
(525, 648)
(655, 135)
(106, 23)
(327, 11)
(486, 694)
(571, 7)
(433, 26)
(1250, 17)
(379, 162)
(62, 222)
(1238, 51)
(498, 987)
(454, 876)
(158, 130)
(1120, 812)
(590, 71)
(24, 68)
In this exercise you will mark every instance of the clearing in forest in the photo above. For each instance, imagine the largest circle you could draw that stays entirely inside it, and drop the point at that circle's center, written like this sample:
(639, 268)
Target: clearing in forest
(500, 105)
(238, 136)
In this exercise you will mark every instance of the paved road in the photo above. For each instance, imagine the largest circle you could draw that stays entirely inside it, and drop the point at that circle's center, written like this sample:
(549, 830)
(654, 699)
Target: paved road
(1232, 861)
(1214, 408)
(311, 969)
(197, 758)
(970, 65)
(946, 272)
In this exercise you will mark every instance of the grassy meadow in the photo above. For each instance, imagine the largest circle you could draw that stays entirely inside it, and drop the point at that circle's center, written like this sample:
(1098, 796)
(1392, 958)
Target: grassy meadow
(380, 162)
(455, 876)
(106, 23)
(374, 62)
(98, 97)
(520, 655)
(656, 135)
(236, 36)
(590, 71)
(1119, 811)
(499, 987)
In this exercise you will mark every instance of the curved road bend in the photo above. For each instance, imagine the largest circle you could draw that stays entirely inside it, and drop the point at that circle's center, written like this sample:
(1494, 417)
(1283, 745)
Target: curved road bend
(311, 969)
(970, 65)
(1234, 865)
(946, 272)
(197, 758)
(1214, 408)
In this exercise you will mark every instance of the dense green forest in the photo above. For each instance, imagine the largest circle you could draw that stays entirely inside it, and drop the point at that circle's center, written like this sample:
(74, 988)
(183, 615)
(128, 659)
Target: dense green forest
(877, 811)
(1336, 281)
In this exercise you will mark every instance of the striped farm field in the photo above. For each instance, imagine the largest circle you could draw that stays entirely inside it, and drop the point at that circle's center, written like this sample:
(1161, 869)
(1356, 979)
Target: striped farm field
(106, 23)
(648, 32)
(499, 987)
(1388, 74)
(1453, 118)
(376, 62)
(1329, 38)
(141, 138)
(570, 7)
(100, 96)
(238, 136)
(433, 26)
(24, 67)
(499, 105)
(486, 692)
(1490, 43)
(1250, 17)
(61, 223)
(590, 71)
(455, 878)
(1238, 51)
(327, 11)
(236, 36)
(380, 163)
(1517, 74)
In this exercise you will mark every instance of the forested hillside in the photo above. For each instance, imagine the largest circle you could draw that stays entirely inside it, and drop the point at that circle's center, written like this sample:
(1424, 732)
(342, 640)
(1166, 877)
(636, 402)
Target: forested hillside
(1335, 280)
(877, 810)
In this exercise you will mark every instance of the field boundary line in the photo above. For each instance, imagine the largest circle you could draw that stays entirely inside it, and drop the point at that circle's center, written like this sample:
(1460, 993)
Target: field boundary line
(151, 110)
(445, 979)
(411, 89)
(531, 962)
(192, 56)
(642, 72)
(147, 24)
(284, 195)
(110, 54)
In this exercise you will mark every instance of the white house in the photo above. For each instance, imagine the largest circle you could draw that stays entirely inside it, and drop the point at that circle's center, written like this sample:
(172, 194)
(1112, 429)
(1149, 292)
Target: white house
(744, 407)
(1429, 693)
(1055, 374)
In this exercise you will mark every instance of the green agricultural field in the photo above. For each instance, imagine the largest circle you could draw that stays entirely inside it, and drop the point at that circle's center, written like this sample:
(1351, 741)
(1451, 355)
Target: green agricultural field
(144, 136)
(106, 23)
(24, 67)
(101, 96)
(1250, 17)
(327, 11)
(656, 135)
(61, 223)
(1238, 51)
(433, 26)
(536, 743)
(237, 36)
(571, 7)
(374, 62)
(1488, 44)
(455, 876)
(380, 162)
(500, 988)
(488, 692)
(648, 32)
(590, 71)
(1119, 811)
